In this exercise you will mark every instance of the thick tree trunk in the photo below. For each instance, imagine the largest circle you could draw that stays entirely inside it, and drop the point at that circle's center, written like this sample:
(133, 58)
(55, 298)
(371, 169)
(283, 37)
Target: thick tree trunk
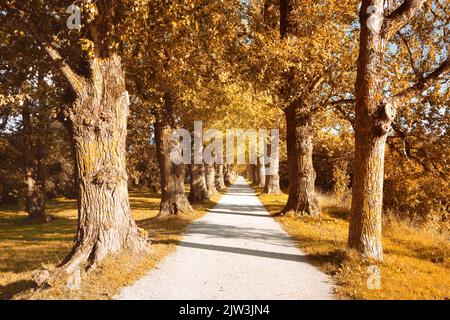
(99, 129)
(199, 191)
(302, 176)
(261, 167)
(219, 178)
(228, 179)
(272, 185)
(34, 171)
(173, 198)
(373, 118)
(367, 196)
(210, 176)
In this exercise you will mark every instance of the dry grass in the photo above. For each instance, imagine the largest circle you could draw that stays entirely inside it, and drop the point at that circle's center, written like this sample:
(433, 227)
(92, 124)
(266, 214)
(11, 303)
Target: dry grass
(25, 247)
(416, 260)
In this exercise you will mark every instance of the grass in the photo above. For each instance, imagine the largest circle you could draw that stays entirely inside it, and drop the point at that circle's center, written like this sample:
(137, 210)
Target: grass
(26, 247)
(416, 260)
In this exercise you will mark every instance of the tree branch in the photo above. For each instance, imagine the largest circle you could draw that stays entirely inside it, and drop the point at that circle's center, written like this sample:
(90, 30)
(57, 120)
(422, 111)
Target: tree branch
(407, 94)
(338, 106)
(401, 16)
(75, 80)
(417, 72)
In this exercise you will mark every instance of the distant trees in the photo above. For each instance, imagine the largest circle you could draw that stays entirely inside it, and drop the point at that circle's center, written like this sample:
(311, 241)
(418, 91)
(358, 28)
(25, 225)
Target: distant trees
(33, 153)
(181, 44)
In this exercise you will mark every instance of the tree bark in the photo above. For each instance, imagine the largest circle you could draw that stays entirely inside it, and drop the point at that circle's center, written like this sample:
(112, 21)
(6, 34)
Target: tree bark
(173, 198)
(228, 179)
(371, 128)
(255, 175)
(199, 191)
(99, 128)
(302, 176)
(219, 178)
(272, 185)
(261, 167)
(210, 176)
(34, 171)
(374, 115)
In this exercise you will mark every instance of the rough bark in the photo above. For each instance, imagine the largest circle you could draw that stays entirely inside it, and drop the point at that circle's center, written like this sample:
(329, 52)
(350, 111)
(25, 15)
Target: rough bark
(255, 174)
(210, 176)
(198, 191)
(374, 115)
(370, 137)
(173, 198)
(34, 171)
(272, 185)
(99, 126)
(228, 177)
(261, 167)
(302, 176)
(219, 177)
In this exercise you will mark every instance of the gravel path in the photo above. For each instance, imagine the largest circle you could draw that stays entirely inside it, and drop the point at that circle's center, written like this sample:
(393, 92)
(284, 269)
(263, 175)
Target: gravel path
(237, 251)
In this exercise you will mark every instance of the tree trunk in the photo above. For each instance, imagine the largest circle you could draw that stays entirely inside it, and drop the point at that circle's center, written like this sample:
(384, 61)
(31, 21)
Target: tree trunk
(34, 171)
(255, 175)
(99, 129)
(372, 122)
(210, 176)
(302, 176)
(261, 167)
(272, 185)
(199, 191)
(219, 179)
(228, 176)
(152, 186)
(173, 198)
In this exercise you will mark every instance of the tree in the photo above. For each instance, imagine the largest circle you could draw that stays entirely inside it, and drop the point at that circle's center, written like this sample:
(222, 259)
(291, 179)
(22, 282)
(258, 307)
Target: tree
(22, 79)
(173, 199)
(34, 169)
(93, 68)
(210, 177)
(374, 114)
(272, 183)
(199, 190)
(185, 45)
(303, 61)
(219, 178)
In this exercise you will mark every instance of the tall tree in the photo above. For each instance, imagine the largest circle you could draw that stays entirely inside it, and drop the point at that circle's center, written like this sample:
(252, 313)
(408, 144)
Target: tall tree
(374, 114)
(90, 61)
(173, 199)
(34, 168)
(302, 63)
(185, 45)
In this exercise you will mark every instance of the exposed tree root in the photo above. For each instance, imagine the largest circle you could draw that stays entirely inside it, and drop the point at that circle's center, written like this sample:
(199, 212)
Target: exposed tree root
(174, 207)
(86, 256)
